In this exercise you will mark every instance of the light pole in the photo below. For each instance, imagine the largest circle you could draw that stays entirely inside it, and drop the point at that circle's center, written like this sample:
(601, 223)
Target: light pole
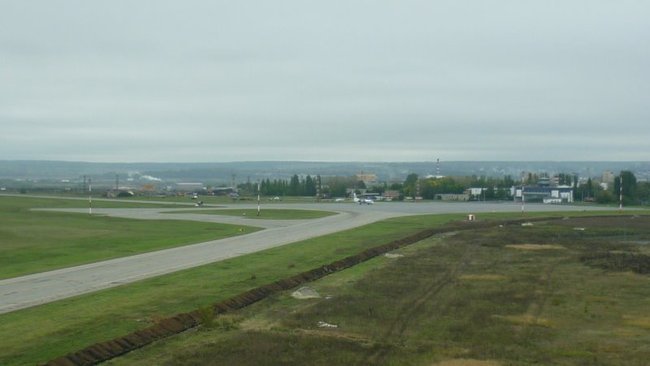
(318, 189)
(620, 192)
(258, 198)
(90, 197)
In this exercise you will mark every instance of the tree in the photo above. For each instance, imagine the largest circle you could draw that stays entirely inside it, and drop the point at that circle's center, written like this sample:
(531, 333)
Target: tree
(531, 179)
(294, 186)
(338, 186)
(643, 193)
(265, 187)
(589, 188)
(604, 197)
(501, 193)
(310, 186)
(585, 191)
(489, 193)
(379, 188)
(396, 187)
(562, 179)
(432, 187)
(508, 181)
(410, 185)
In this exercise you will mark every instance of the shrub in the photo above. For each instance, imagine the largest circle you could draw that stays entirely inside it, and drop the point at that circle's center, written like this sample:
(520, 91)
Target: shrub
(207, 317)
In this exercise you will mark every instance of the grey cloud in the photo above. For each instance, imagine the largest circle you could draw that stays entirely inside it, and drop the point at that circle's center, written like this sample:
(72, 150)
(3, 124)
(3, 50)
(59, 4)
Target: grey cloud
(377, 80)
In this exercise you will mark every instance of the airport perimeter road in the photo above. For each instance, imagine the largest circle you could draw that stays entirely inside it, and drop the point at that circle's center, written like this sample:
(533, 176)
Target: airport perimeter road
(26, 291)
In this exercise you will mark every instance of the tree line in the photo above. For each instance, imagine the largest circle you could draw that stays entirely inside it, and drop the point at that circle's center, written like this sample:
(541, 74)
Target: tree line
(296, 186)
(492, 188)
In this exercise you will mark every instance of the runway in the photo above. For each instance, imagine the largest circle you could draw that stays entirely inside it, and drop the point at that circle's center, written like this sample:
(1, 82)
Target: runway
(31, 290)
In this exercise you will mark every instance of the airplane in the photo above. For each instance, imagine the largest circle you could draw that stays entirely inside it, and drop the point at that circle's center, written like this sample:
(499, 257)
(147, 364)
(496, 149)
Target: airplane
(362, 201)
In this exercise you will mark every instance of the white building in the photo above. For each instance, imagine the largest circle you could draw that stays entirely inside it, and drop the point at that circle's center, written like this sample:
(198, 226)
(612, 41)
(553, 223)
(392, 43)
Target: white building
(545, 194)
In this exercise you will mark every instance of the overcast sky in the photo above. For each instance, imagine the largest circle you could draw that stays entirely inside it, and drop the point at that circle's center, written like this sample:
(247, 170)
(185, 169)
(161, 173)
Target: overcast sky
(212, 81)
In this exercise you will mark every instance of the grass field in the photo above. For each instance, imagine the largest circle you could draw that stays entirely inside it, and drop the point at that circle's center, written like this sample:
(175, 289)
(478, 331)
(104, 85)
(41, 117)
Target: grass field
(35, 335)
(33, 241)
(502, 296)
(266, 213)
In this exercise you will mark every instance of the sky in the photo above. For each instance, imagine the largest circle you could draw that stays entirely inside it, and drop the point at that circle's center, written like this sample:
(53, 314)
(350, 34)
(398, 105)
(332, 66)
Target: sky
(218, 81)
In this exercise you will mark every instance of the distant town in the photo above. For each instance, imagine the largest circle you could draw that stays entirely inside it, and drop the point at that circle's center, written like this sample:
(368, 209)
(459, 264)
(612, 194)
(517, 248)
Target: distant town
(547, 182)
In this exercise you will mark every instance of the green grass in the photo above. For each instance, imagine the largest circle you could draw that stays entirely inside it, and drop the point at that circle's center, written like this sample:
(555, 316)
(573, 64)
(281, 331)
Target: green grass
(464, 297)
(266, 214)
(37, 334)
(80, 202)
(34, 241)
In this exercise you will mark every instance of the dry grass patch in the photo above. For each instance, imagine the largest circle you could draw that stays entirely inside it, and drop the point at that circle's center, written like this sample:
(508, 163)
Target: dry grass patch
(258, 324)
(525, 320)
(628, 275)
(535, 247)
(627, 332)
(467, 362)
(482, 277)
(336, 334)
(637, 321)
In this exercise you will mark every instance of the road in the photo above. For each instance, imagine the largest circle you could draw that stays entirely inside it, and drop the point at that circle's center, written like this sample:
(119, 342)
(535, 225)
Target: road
(31, 290)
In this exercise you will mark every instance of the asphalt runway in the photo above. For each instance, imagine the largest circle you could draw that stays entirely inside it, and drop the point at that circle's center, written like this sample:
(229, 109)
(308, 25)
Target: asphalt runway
(31, 290)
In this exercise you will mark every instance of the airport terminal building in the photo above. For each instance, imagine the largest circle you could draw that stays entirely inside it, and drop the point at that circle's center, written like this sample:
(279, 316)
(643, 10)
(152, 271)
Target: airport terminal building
(559, 194)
